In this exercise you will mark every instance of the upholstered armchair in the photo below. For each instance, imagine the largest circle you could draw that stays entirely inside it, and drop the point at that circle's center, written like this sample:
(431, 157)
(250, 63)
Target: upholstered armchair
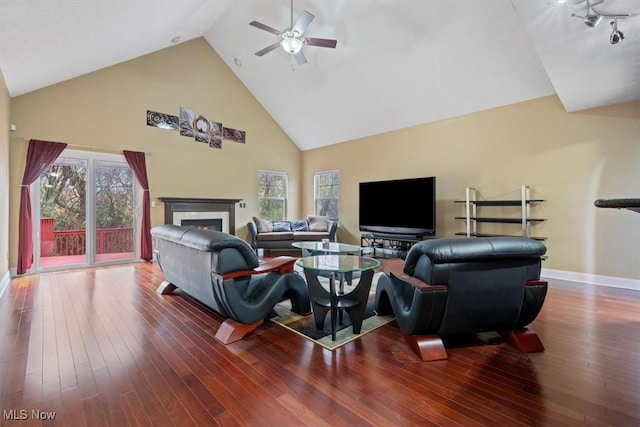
(222, 272)
(458, 286)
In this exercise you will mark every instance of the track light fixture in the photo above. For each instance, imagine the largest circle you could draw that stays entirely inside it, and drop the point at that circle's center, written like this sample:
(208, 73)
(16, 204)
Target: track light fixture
(616, 36)
(592, 17)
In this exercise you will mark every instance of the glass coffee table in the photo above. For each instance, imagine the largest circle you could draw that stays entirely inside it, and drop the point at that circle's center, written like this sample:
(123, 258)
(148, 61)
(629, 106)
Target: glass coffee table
(335, 300)
(319, 248)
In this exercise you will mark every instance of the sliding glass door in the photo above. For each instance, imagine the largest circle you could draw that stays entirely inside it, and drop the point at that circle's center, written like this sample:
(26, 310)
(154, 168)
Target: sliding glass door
(63, 214)
(114, 211)
(87, 209)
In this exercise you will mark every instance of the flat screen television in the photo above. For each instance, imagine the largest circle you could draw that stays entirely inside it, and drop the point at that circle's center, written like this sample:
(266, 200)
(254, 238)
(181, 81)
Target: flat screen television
(402, 207)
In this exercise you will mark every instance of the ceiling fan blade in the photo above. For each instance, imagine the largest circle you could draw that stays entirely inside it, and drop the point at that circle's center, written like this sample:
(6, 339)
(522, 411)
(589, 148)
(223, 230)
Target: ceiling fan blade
(321, 42)
(265, 27)
(303, 22)
(268, 49)
(300, 58)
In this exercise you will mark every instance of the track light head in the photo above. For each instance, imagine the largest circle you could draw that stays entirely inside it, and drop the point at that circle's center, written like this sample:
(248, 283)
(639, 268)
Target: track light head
(616, 36)
(592, 20)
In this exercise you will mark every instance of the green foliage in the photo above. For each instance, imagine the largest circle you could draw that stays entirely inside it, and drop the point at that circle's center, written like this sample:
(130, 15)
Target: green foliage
(272, 209)
(327, 194)
(114, 197)
(63, 196)
(272, 192)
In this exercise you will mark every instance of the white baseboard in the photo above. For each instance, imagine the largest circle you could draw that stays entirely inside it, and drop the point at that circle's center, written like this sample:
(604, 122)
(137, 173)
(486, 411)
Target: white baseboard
(4, 283)
(593, 279)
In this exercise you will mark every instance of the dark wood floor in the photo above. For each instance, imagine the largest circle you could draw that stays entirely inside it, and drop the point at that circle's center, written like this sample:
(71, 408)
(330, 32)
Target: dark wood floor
(100, 347)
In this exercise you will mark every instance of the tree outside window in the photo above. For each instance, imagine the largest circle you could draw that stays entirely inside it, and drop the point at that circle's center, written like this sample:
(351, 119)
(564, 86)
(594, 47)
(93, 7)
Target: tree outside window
(63, 195)
(272, 195)
(326, 193)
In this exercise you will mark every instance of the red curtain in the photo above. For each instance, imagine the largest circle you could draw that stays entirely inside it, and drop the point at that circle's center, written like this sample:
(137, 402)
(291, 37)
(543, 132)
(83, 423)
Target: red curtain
(138, 165)
(40, 156)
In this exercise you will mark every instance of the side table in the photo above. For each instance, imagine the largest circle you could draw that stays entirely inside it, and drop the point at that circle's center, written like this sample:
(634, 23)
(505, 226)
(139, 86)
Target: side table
(335, 300)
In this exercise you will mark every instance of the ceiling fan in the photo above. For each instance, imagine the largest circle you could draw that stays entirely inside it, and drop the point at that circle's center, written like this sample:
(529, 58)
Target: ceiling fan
(291, 40)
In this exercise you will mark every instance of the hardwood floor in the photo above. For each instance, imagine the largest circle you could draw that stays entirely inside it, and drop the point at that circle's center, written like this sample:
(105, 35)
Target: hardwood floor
(100, 347)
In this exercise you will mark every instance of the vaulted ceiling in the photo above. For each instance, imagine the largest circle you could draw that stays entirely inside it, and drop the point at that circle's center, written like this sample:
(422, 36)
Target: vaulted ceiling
(397, 63)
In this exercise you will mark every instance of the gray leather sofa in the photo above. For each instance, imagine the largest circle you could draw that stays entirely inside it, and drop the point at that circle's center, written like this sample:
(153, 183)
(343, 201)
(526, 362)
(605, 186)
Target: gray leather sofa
(459, 286)
(222, 272)
(281, 234)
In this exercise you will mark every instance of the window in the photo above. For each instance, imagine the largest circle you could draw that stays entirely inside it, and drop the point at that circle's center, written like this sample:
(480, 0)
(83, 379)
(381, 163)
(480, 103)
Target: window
(272, 195)
(326, 193)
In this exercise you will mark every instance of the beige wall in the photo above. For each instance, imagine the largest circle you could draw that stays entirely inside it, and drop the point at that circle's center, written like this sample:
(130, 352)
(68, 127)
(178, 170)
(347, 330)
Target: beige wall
(569, 159)
(4, 179)
(107, 109)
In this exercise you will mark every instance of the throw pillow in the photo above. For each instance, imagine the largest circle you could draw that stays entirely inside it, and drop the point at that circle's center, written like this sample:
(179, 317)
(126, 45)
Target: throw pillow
(318, 223)
(280, 226)
(300, 225)
(263, 225)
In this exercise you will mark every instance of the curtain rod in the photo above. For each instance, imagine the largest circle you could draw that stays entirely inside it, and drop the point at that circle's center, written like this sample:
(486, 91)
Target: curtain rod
(99, 149)
(91, 147)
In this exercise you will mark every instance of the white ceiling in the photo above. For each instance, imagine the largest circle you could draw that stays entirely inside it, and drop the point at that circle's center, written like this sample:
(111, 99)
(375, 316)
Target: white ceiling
(398, 63)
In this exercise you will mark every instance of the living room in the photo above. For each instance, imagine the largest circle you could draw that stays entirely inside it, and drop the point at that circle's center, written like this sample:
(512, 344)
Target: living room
(569, 159)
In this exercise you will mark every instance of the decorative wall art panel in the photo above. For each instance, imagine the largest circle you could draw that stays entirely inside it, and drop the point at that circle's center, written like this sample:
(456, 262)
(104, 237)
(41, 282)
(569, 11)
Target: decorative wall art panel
(215, 134)
(196, 126)
(201, 126)
(187, 117)
(162, 120)
(234, 135)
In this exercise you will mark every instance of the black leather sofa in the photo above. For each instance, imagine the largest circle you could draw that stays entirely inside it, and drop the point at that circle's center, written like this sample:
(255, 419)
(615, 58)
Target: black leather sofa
(222, 272)
(459, 286)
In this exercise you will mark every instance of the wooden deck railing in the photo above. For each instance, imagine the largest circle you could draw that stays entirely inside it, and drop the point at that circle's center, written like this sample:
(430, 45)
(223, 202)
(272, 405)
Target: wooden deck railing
(74, 242)
(114, 240)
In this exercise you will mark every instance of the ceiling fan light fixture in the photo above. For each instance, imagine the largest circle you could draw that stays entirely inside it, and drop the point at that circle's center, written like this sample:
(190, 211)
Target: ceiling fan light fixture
(292, 45)
(291, 39)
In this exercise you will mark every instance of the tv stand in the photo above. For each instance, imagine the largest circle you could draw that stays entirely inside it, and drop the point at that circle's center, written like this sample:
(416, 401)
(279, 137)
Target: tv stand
(389, 245)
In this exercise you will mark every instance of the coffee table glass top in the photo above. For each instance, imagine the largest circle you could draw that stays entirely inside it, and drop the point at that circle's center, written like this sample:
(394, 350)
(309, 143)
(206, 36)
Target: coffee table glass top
(334, 247)
(338, 263)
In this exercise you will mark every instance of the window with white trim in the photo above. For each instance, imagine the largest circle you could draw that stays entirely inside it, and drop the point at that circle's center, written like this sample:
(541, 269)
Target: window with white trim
(272, 195)
(327, 194)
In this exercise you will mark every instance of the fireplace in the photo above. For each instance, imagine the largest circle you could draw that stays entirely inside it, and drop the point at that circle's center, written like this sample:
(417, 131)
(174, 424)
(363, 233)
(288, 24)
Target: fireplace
(217, 214)
(216, 224)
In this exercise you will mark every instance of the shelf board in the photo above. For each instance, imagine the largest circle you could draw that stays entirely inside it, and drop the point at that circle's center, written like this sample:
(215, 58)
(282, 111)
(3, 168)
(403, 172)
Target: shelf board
(501, 220)
(497, 235)
(499, 202)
